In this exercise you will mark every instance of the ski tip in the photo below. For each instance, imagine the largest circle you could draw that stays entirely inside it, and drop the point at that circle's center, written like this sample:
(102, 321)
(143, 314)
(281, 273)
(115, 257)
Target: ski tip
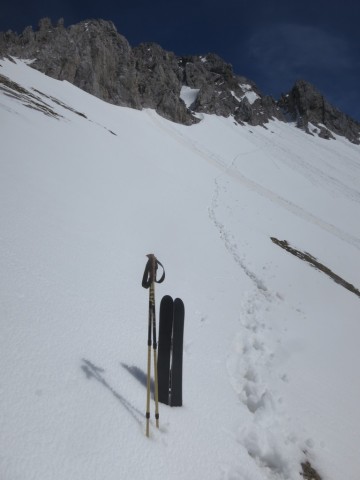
(179, 302)
(166, 298)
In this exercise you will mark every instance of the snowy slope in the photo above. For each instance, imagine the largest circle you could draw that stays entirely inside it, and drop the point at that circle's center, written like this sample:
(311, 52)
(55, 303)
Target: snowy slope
(87, 189)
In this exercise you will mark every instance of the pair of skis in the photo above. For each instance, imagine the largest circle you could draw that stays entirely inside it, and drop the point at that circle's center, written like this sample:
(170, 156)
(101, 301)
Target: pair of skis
(170, 351)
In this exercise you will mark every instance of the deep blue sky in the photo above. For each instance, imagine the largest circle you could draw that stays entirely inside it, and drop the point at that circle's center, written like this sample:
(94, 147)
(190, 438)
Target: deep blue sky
(272, 42)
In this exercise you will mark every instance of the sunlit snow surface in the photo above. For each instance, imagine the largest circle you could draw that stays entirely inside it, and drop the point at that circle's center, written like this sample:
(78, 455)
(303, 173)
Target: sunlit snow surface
(271, 349)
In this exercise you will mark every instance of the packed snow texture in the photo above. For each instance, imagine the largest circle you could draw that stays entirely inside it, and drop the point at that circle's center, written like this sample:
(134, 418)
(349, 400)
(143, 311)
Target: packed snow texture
(271, 346)
(188, 95)
(249, 93)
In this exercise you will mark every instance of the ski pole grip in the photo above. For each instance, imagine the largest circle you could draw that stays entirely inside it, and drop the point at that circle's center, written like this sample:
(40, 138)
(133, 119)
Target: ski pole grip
(162, 278)
(150, 271)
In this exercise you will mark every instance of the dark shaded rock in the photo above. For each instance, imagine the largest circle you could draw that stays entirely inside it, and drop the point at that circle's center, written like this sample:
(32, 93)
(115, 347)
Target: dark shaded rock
(93, 56)
(27, 98)
(309, 472)
(304, 104)
(90, 54)
(215, 80)
(224, 93)
(259, 112)
(314, 262)
(158, 80)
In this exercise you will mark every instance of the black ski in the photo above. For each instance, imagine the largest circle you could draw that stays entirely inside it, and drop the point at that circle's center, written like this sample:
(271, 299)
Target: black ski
(170, 351)
(164, 347)
(177, 354)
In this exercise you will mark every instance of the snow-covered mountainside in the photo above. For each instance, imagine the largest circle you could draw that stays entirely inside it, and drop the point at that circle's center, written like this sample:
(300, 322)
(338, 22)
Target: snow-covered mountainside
(271, 343)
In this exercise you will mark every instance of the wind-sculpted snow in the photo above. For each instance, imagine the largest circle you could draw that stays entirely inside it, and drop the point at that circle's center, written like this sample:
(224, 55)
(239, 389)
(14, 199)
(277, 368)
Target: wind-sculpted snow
(270, 387)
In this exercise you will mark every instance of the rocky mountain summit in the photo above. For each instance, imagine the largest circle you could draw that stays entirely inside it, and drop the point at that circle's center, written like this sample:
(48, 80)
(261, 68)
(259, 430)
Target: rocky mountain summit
(95, 57)
(316, 115)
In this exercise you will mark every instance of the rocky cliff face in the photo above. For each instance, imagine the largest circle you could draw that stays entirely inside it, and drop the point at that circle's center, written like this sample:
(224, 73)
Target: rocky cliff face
(221, 92)
(95, 57)
(314, 114)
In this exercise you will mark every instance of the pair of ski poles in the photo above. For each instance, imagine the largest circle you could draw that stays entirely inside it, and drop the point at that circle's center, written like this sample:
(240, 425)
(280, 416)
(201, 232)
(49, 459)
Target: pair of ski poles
(149, 280)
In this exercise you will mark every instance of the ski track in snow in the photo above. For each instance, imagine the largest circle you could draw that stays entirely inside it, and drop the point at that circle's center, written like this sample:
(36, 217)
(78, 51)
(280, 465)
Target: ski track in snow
(231, 245)
(231, 171)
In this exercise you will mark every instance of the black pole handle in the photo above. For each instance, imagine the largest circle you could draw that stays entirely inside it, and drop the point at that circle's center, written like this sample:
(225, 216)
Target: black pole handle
(150, 271)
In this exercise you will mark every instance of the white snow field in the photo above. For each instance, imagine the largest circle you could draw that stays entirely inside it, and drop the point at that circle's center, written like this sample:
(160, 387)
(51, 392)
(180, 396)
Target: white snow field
(271, 346)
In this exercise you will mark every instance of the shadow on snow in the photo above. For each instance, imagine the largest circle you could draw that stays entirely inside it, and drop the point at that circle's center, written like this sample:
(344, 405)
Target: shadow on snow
(92, 371)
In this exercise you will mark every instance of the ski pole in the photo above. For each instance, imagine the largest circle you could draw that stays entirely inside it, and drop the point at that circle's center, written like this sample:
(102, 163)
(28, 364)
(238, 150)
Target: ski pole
(149, 280)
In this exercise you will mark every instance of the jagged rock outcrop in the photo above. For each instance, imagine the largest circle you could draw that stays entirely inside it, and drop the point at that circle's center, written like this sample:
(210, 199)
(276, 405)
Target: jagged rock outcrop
(92, 55)
(315, 114)
(158, 79)
(221, 92)
(95, 57)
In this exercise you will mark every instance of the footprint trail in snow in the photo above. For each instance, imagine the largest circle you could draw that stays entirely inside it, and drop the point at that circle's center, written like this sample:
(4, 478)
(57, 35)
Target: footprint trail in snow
(266, 433)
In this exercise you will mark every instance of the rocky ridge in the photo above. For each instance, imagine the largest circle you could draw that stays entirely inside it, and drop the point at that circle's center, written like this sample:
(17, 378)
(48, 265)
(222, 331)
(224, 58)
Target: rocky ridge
(312, 112)
(95, 57)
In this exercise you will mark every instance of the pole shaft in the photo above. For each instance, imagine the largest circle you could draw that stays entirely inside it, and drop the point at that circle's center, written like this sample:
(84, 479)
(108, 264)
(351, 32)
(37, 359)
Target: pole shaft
(148, 391)
(156, 385)
(156, 391)
(152, 333)
(148, 378)
(153, 317)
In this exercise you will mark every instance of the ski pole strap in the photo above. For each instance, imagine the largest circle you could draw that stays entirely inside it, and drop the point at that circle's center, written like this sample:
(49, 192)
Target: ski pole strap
(150, 271)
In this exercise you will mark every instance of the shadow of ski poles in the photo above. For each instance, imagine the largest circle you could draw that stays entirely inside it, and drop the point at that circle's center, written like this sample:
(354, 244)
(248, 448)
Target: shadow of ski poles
(92, 371)
(140, 376)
